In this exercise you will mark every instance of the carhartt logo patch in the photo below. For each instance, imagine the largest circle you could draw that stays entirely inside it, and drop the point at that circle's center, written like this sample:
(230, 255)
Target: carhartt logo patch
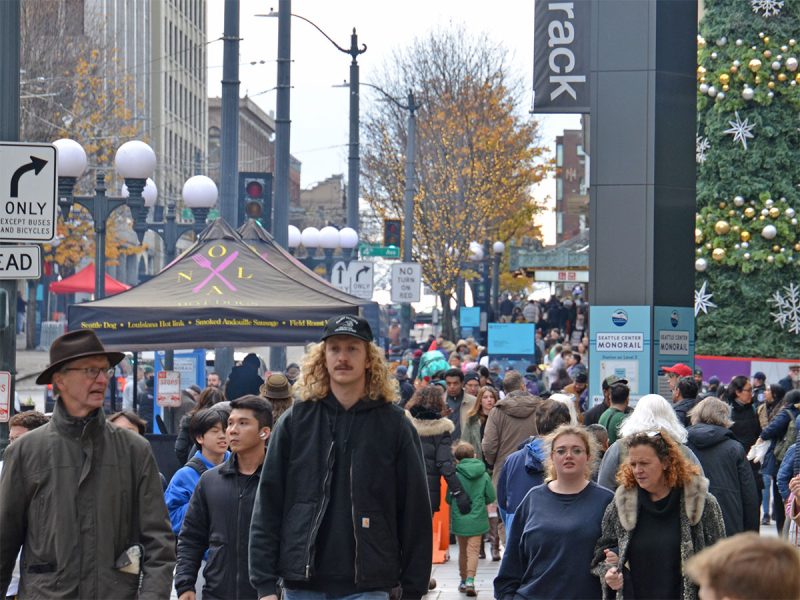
(365, 522)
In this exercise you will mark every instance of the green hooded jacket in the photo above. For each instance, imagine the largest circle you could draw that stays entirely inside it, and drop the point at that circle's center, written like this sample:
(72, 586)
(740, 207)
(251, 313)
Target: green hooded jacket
(478, 486)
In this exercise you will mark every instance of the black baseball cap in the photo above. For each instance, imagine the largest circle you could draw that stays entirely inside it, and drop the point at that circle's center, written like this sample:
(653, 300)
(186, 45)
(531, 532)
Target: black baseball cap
(351, 325)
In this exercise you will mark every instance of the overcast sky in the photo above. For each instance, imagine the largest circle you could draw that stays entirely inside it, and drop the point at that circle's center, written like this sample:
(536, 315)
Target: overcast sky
(319, 111)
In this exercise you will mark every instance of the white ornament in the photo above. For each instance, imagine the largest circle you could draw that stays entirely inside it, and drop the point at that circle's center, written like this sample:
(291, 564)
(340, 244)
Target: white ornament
(738, 201)
(764, 212)
(702, 300)
(747, 256)
(769, 202)
(769, 232)
(787, 305)
(722, 41)
(770, 94)
(741, 130)
(794, 221)
(721, 96)
(745, 244)
(776, 65)
(739, 42)
(714, 55)
(789, 212)
(712, 91)
(704, 88)
(701, 264)
(748, 93)
(701, 147)
(767, 8)
(791, 64)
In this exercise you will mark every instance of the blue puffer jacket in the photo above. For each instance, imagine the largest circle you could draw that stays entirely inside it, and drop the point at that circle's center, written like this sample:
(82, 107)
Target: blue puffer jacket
(522, 471)
(774, 433)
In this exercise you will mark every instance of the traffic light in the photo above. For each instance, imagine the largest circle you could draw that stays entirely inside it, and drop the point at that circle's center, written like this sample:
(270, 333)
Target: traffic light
(392, 232)
(255, 198)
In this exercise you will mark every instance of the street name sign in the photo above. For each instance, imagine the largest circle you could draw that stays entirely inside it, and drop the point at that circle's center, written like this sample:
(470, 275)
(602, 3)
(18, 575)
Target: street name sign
(20, 262)
(356, 278)
(367, 250)
(28, 192)
(406, 282)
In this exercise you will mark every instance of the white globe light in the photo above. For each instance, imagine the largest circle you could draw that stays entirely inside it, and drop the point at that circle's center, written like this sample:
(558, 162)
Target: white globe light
(348, 237)
(498, 247)
(150, 193)
(200, 192)
(294, 237)
(475, 251)
(135, 160)
(769, 232)
(310, 237)
(70, 158)
(329, 238)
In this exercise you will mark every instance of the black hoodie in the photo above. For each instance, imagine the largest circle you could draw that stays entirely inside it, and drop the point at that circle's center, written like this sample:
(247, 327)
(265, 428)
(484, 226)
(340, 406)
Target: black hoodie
(729, 474)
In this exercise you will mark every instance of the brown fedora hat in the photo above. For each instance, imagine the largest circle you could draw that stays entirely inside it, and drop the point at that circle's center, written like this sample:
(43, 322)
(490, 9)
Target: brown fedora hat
(277, 387)
(72, 346)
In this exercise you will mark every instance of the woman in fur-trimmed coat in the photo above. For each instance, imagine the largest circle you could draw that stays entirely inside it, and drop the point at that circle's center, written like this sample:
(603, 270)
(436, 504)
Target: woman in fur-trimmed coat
(425, 410)
(665, 501)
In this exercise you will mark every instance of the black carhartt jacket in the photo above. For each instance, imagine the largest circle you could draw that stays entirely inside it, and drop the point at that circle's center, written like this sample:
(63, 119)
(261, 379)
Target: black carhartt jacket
(218, 519)
(389, 510)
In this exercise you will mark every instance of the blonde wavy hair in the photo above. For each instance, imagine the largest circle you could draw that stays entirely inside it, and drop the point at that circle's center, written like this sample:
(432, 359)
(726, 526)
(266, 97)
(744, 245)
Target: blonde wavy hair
(315, 383)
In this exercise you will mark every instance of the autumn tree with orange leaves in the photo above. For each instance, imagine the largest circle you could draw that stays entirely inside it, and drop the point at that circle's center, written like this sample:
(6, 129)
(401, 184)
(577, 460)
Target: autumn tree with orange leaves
(478, 154)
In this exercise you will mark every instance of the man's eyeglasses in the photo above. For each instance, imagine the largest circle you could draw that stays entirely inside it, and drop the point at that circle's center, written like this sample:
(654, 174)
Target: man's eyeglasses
(92, 372)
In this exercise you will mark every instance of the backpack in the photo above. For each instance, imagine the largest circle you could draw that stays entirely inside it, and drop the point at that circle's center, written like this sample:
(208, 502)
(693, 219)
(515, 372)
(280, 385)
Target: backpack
(197, 464)
(783, 445)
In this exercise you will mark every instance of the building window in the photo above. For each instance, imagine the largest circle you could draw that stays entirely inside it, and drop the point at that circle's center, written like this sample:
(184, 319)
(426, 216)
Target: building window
(559, 155)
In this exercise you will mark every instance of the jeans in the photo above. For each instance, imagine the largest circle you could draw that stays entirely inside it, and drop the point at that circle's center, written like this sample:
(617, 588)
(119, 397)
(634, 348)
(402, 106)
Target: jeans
(312, 595)
(765, 495)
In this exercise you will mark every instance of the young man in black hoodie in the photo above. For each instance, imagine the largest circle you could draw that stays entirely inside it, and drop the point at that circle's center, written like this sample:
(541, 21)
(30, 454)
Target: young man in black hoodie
(218, 517)
(342, 507)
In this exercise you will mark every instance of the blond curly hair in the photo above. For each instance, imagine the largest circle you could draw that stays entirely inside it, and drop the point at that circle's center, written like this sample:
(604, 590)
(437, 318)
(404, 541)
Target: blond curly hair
(315, 383)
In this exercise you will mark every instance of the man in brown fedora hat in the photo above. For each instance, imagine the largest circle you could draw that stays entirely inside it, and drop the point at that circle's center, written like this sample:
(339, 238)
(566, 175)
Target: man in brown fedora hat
(81, 497)
(277, 390)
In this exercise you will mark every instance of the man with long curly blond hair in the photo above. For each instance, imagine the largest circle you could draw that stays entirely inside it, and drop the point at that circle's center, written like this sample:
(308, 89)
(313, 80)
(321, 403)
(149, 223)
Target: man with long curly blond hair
(342, 507)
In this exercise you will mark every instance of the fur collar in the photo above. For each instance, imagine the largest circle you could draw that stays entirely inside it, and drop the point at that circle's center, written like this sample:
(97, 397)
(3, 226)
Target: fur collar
(694, 502)
(427, 427)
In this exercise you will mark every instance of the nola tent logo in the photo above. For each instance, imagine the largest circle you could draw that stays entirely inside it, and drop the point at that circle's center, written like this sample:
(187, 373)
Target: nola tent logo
(619, 317)
(216, 271)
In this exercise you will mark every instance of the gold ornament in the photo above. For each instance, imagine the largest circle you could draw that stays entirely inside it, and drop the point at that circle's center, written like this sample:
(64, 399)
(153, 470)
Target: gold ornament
(718, 254)
(771, 85)
(745, 236)
(797, 247)
(734, 69)
(782, 77)
(749, 212)
(722, 227)
(761, 217)
(724, 79)
(708, 246)
(754, 65)
(725, 88)
(731, 213)
(792, 42)
(776, 248)
(722, 205)
(735, 229)
(766, 40)
(774, 212)
(767, 53)
(698, 236)
(797, 78)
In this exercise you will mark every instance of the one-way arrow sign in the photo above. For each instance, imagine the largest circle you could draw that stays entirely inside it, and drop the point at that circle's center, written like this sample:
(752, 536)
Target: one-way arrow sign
(28, 201)
(36, 165)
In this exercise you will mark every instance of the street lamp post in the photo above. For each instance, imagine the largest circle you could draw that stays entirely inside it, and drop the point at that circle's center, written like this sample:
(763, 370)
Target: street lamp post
(498, 248)
(329, 239)
(353, 158)
(135, 161)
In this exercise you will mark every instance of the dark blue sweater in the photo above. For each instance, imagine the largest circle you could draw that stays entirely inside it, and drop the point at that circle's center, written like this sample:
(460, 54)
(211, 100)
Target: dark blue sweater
(550, 545)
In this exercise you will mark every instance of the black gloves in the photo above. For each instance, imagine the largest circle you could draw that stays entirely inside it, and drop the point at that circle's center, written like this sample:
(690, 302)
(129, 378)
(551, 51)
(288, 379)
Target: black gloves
(463, 502)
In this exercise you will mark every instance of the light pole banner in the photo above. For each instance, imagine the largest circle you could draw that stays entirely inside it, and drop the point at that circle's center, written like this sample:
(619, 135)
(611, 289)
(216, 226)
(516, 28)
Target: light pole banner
(561, 42)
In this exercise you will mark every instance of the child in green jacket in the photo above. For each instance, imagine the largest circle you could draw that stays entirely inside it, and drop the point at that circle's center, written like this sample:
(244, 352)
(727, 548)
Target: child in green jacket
(469, 528)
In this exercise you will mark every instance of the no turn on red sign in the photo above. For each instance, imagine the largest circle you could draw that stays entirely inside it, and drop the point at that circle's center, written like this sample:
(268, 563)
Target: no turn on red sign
(406, 282)
(28, 192)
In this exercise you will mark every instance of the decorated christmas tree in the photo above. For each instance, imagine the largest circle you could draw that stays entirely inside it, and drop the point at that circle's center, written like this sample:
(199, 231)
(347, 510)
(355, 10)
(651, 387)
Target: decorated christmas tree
(747, 298)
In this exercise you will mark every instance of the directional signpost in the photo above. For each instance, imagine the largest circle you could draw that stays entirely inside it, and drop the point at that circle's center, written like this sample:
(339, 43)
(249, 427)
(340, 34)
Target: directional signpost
(356, 278)
(28, 199)
(20, 262)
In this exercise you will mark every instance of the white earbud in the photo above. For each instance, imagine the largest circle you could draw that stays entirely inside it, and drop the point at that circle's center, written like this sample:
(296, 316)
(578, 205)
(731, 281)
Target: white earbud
(262, 435)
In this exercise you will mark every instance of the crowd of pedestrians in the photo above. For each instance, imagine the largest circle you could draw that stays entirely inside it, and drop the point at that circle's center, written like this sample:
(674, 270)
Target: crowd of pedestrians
(320, 483)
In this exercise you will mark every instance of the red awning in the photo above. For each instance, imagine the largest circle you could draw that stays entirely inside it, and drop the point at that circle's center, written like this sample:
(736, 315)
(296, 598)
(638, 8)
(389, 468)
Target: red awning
(83, 282)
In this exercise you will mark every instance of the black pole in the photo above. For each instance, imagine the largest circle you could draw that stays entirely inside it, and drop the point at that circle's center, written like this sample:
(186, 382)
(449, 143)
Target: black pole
(354, 159)
(100, 216)
(223, 362)
(408, 202)
(9, 131)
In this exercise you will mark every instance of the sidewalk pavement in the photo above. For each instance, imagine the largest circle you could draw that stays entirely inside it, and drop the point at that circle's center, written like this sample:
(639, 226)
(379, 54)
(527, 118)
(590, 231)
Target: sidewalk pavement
(447, 577)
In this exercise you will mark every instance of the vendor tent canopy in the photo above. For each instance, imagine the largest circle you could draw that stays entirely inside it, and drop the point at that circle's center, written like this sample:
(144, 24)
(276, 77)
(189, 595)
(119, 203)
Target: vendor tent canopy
(219, 292)
(83, 282)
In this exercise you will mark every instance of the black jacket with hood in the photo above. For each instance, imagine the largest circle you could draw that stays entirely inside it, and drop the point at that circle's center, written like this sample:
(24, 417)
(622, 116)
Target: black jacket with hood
(384, 506)
(218, 519)
(729, 474)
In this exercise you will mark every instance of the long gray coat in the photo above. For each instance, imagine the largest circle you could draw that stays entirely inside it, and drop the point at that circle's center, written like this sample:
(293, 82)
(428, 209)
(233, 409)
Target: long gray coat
(701, 526)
